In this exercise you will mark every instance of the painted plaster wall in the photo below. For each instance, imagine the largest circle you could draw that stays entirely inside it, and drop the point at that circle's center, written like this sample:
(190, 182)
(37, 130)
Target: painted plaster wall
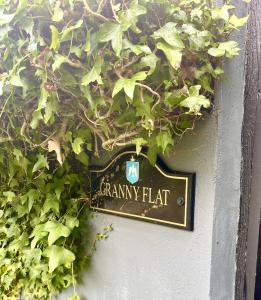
(143, 261)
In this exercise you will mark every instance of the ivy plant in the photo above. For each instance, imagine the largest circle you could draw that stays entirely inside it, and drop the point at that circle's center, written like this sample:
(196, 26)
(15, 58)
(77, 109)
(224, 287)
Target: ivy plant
(77, 76)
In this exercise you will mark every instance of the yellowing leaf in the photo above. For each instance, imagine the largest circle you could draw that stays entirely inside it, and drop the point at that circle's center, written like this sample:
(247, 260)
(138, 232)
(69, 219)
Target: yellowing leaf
(55, 37)
(77, 145)
(58, 256)
(237, 22)
(54, 145)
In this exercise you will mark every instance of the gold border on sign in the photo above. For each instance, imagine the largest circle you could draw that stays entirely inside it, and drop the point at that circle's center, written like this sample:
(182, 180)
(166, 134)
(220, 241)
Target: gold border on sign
(137, 216)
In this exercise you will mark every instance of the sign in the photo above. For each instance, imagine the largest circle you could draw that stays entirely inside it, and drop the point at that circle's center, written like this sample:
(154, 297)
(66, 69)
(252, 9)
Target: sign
(129, 186)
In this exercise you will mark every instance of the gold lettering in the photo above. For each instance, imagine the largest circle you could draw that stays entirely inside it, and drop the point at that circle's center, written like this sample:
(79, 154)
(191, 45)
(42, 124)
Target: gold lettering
(114, 191)
(159, 198)
(144, 194)
(121, 192)
(166, 193)
(107, 189)
(136, 190)
(150, 200)
(127, 192)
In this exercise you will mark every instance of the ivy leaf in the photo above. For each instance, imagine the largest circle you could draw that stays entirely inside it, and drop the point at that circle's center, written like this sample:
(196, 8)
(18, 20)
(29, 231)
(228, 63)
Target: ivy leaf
(94, 74)
(238, 22)
(111, 32)
(51, 203)
(136, 49)
(57, 12)
(77, 145)
(36, 118)
(56, 230)
(54, 145)
(164, 139)
(16, 80)
(139, 142)
(173, 55)
(65, 32)
(195, 101)
(58, 256)
(55, 37)
(9, 195)
(229, 49)
(128, 84)
(216, 52)
(83, 158)
(5, 18)
(74, 297)
(41, 163)
(221, 12)
(71, 222)
(58, 61)
(149, 61)
(170, 34)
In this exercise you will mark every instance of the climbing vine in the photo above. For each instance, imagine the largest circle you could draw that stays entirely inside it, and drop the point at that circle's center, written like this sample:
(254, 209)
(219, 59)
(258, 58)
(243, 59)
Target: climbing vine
(77, 76)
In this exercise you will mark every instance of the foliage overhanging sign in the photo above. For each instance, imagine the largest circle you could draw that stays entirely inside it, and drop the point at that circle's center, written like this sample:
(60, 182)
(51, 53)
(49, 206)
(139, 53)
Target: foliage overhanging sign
(130, 186)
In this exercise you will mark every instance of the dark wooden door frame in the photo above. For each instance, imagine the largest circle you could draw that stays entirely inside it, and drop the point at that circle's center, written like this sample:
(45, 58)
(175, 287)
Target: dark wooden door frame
(252, 95)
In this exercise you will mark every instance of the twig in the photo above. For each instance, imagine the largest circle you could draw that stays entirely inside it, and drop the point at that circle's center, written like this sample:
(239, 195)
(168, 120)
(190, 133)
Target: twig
(152, 92)
(95, 14)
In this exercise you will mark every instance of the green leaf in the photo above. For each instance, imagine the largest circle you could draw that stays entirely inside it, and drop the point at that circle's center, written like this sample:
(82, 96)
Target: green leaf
(173, 55)
(57, 12)
(118, 86)
(77, 145)
(66, 31)
(83, 158)
(129, 87)
(36, 118)
(221, 12)
(41, 163)
(9, 195)
(94, 74)
(149, 61)
(164, 139)
(71, 222)
(55, 37)
(56, 230)
(74, 297)
(51, 203)
(216, 52)
(237, 22)
(58, 61)
(136, 49)
(111, 32)
(170, 34)
(58, 256)
(16, 80)
(195, 101)
(139, 142)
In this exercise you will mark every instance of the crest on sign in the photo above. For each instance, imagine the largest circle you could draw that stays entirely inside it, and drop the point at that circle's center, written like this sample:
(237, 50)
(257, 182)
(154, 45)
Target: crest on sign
(132, 171)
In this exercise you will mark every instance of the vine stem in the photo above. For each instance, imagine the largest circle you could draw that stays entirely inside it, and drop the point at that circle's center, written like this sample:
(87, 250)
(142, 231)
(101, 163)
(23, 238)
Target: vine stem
(3, 109)
(95, 14)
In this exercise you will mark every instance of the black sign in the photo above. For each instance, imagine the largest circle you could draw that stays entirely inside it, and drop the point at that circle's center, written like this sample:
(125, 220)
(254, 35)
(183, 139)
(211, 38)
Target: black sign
(130, 186)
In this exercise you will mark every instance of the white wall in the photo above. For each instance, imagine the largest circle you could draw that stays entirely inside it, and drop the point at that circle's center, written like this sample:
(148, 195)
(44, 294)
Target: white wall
(144, 261)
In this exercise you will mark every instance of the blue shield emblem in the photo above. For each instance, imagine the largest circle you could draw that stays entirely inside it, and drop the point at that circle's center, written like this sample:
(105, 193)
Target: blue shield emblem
(132, 171)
